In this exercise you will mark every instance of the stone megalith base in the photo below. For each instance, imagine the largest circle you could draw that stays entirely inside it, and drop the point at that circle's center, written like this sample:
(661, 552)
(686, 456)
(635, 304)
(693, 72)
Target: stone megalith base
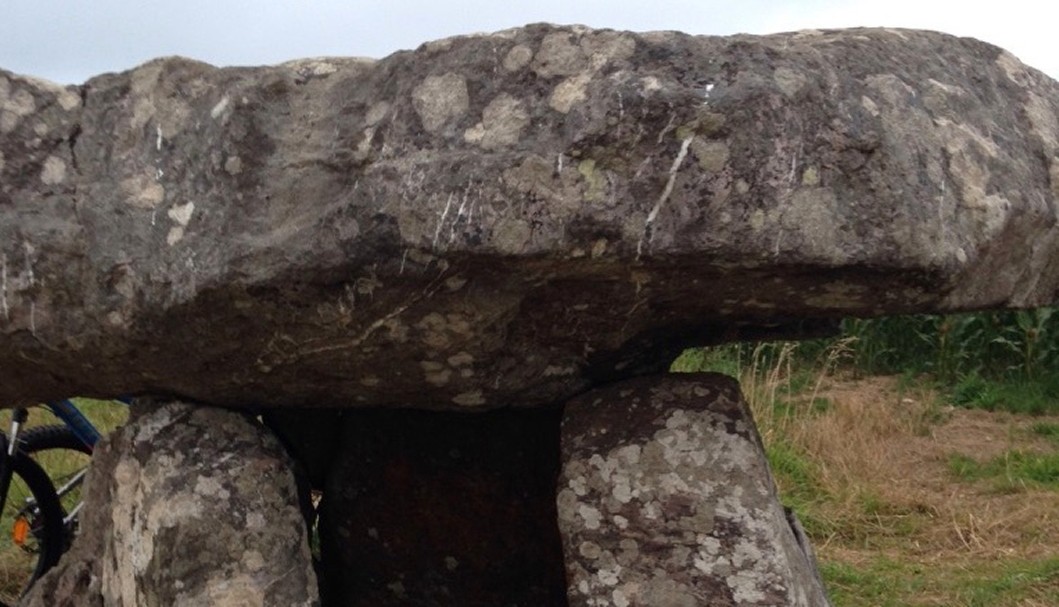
(666, 500)
(187, 506)
(444, 509)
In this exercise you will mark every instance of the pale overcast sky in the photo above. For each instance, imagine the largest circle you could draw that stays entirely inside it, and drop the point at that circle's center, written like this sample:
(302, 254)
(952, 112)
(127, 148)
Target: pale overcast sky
(70, 40)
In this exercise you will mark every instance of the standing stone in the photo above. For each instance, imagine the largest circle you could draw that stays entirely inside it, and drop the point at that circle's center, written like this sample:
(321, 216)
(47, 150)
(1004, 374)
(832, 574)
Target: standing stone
(444, 509)
(187, 506)
(666, 500)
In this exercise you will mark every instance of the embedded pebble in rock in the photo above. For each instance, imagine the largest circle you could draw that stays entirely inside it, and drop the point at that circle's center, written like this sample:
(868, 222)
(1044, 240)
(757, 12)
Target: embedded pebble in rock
(665, 498)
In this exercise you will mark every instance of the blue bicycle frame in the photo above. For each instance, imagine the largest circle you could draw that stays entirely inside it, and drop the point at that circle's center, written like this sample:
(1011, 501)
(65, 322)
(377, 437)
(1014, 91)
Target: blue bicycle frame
(70, 415)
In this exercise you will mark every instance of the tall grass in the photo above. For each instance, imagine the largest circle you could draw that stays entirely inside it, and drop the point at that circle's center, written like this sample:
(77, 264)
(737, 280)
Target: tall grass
(989, 360)
(1005, 345)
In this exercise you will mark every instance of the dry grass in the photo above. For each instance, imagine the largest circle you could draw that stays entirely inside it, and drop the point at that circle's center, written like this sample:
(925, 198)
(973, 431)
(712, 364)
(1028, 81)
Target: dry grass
(866, 463)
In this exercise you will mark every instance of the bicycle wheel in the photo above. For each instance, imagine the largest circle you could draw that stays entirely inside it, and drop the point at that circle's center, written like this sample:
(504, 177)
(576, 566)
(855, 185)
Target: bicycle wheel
(65, 458)
(46, 438)
(33, 515)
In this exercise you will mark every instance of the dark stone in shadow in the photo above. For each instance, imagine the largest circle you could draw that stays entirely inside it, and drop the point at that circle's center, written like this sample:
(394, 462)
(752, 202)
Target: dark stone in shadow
(426, 508)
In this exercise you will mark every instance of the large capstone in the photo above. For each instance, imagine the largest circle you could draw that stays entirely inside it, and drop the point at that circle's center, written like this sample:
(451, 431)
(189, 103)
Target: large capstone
(666, 498)
(507, 219)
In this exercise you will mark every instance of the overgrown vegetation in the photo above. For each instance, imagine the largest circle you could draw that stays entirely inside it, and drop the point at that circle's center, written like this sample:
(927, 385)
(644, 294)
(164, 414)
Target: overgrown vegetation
(921, 453)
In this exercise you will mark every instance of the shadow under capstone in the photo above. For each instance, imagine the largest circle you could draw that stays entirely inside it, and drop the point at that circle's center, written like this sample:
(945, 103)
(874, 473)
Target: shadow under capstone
(429, 508)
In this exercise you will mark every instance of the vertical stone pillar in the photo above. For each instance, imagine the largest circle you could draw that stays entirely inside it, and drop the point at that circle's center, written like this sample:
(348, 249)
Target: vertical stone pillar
(187, 506)
(665, 500)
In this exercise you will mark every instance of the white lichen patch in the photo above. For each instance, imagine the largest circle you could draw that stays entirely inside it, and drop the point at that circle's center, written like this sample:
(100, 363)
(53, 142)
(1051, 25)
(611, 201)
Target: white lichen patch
(143, 191)
(789, 81)
(559, 55)
(474, 398)
(502, 123)
(233, 165)
(810, 176)
(435, 373)
(181, 215)
(211, 487)
(711, 154)
(15, 103)
(606, 47)
(253, 560)
(650, 84)
(869, 104)
(376, 113)
(517, 58)
(569, 92)
(511, 235)
(221, 107)
(153, 102)
(54, 171)
(440, 99)
(460, 359)
(68, 99)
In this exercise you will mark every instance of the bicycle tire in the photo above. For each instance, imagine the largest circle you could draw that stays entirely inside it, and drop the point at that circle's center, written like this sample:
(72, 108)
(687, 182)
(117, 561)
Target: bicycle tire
(56, 436)
(46, 525)
(65, 457)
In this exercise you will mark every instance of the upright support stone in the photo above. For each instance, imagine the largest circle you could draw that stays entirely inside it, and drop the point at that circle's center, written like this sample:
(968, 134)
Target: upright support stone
(187, 506)
(666, 499)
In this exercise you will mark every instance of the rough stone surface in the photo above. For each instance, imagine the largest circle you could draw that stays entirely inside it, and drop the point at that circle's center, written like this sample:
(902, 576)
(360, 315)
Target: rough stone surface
(187, 506)
(444, 509)
(509, 218)
(665, 498)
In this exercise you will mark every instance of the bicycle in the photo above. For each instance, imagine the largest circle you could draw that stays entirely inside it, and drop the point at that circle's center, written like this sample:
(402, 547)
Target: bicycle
(40, 511)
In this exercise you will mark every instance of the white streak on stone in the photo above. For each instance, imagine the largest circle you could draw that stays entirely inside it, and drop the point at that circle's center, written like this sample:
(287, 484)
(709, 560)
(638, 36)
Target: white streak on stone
(218, 109)
(3, 287)
(30, 279)
(666, 192)
(441, 220)
(158, 139)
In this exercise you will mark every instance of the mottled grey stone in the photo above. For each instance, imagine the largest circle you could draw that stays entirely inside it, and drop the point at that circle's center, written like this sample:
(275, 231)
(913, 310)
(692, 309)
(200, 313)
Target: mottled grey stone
(666, 500)
(507, 218)
(187, 506)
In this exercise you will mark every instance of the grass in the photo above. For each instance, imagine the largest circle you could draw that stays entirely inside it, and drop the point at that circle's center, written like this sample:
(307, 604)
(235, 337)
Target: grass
(911, 495)
(1011, 470)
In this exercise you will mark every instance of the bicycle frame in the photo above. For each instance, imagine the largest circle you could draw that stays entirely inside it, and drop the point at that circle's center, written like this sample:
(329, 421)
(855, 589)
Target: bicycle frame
(67, 412)
(70, 415)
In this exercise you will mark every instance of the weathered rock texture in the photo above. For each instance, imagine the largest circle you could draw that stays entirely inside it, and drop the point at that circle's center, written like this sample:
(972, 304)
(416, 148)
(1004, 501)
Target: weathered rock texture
(444, 509)
(666, 498)
(187, 506)
(507, 219)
